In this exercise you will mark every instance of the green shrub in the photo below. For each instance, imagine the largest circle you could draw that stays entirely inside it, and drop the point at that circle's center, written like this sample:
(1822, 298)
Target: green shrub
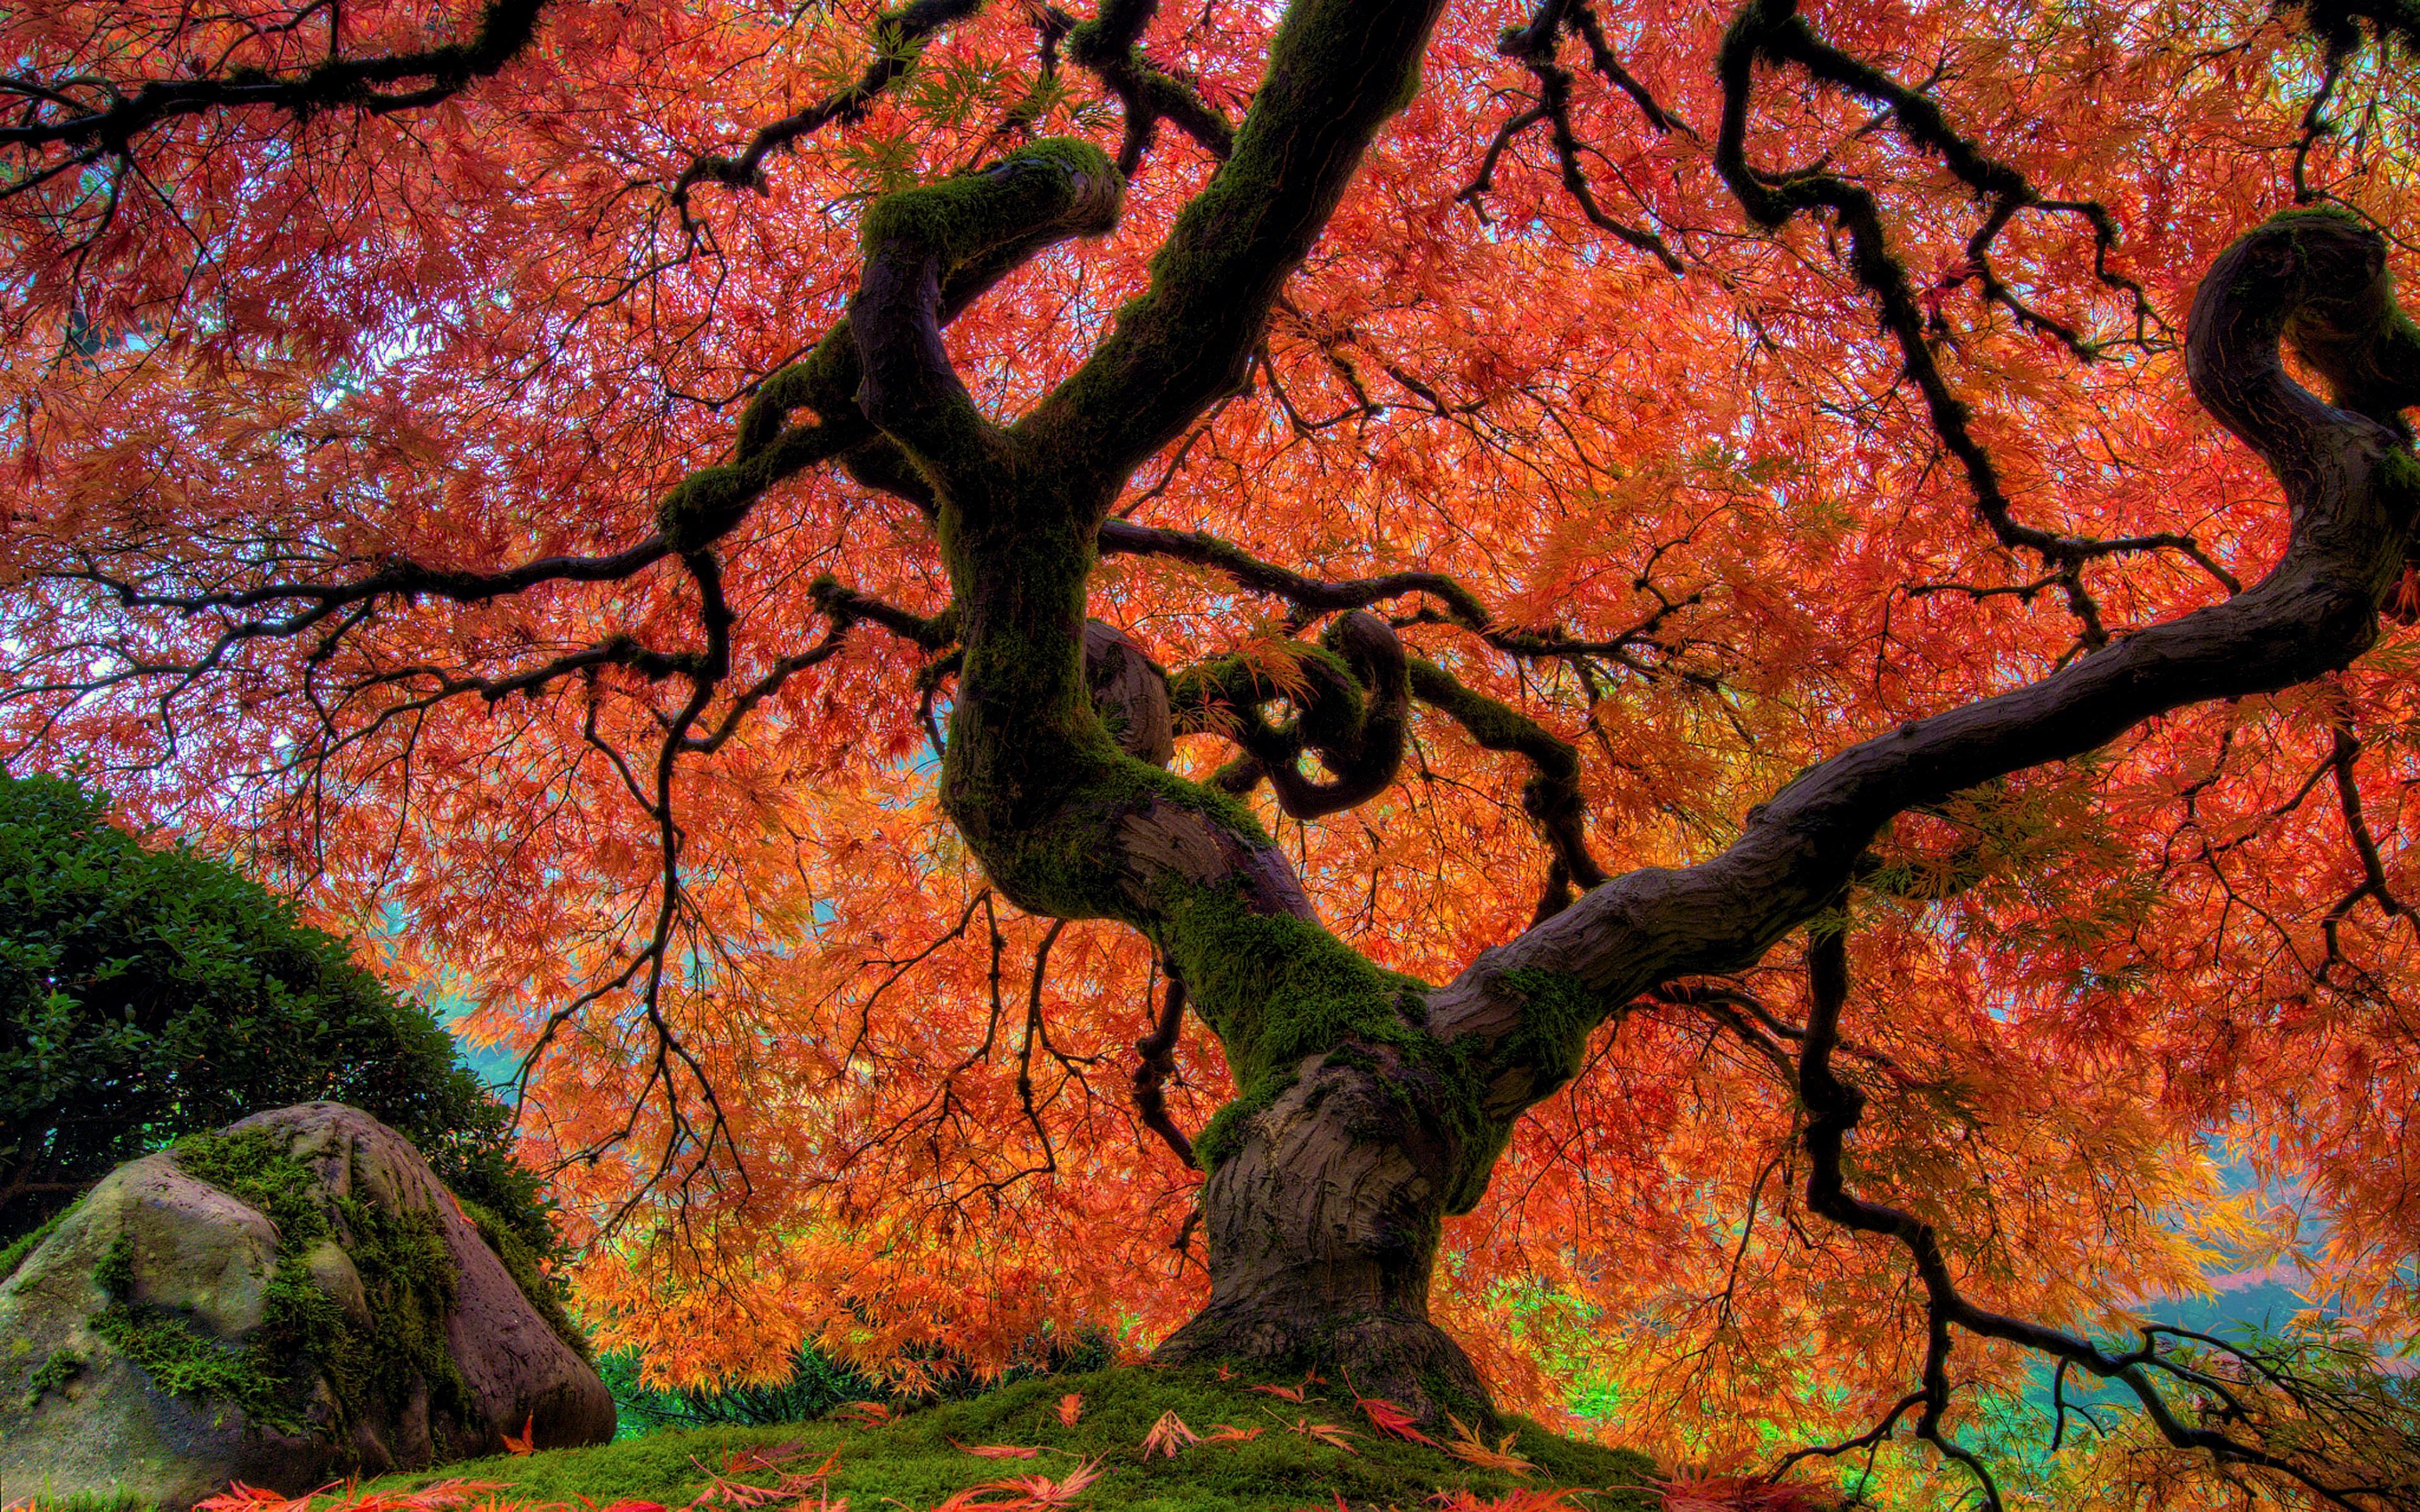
(151, 993)
(817, 1384)
(814, 1386)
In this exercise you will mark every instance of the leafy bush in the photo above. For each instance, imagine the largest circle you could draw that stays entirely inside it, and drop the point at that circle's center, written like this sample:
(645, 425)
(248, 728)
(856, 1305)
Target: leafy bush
(814, 1386)
(149, 994)
(817, 1384)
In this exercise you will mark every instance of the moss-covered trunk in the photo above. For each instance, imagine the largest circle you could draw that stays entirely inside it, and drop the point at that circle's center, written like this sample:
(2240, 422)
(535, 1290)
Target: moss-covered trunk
(1323, 1221)
(1356, 1131)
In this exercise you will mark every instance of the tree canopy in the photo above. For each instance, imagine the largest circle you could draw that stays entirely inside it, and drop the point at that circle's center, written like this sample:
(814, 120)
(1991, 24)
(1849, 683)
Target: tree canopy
(1538, 689)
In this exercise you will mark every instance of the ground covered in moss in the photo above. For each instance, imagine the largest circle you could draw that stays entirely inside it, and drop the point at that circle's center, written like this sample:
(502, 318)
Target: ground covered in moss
(920, 1460)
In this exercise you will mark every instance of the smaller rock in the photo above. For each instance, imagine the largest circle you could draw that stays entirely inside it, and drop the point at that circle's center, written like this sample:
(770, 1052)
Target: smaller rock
(291, 1301)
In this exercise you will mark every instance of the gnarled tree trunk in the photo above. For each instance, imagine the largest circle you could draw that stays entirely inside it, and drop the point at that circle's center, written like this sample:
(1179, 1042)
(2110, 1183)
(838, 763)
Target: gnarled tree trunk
(1323, 1226)
(1370, 1105)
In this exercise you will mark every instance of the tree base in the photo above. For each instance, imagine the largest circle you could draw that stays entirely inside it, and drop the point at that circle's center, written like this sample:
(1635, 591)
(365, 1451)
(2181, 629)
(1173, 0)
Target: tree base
(1409, 1361)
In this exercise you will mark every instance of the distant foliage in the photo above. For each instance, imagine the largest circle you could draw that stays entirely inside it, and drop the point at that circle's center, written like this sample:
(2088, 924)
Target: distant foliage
(817, 1384)
(147, 994)
(814, 1386)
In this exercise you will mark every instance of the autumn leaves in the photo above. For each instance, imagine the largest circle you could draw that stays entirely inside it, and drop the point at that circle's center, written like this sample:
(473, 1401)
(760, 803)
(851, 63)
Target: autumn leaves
(1116, 1439)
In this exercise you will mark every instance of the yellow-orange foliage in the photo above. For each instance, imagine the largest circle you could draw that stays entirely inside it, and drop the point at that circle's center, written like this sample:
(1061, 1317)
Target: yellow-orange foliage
(264, 347)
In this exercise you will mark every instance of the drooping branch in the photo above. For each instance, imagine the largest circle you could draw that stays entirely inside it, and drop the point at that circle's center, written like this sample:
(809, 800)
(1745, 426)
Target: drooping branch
(2345, 750)
(2352, 487)
(1779, 35)
(1533, 47)
(696, 514)
(2340, 26)
(1551, 798)
(1835, 1107)
(1772, 31)
(1583, 20)
(1155, 1062)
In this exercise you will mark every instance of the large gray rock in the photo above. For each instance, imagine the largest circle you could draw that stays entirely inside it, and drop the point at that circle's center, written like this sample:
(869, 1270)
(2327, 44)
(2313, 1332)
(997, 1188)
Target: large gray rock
(335, 1313)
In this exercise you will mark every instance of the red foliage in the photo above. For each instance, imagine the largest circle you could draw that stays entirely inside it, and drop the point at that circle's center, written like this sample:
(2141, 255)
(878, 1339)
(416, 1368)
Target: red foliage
(273, 345)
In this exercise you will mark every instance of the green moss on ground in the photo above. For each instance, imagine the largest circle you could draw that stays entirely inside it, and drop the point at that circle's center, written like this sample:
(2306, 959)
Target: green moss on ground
(92, 1502)
(915, 1460)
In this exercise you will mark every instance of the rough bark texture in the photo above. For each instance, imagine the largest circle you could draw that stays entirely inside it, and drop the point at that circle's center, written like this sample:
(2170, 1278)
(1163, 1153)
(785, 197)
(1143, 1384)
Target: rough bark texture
(1371, 1106)
(1322, 1226)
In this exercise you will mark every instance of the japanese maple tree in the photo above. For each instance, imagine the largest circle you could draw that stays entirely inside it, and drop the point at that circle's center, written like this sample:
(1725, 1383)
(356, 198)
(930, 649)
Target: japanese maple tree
(1712, 697)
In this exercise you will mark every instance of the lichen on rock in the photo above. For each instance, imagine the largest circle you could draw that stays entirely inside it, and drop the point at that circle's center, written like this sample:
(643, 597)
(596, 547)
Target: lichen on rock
(290, 1300)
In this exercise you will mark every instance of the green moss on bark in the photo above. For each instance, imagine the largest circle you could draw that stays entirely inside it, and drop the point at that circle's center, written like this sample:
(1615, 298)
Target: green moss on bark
(973, 216)
(1558, 1013)
(1278, 990)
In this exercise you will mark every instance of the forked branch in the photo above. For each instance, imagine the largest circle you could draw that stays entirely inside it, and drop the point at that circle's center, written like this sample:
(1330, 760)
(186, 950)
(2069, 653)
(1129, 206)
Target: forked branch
(2354, 489)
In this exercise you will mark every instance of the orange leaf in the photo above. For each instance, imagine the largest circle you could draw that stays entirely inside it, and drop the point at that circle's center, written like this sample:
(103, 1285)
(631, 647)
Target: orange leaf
(1291, 1394)
(1071, 1406)
(1046, 1492)
(1389, 1418)
(1521, 1499)
(1327, 1433)
(1472, 1449)
(527, 1442)
(1168, 1435)
(996, 1451)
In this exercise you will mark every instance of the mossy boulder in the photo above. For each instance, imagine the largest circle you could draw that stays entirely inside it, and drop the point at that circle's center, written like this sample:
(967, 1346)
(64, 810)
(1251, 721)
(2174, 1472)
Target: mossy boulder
(292, 1299)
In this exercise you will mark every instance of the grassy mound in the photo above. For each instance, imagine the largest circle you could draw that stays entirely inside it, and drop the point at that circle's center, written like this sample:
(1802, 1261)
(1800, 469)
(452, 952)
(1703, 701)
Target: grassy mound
(916, 1460)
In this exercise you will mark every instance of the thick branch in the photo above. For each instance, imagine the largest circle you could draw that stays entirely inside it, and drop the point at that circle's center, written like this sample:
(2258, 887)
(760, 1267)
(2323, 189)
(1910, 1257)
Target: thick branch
(1066, 822)
(919, 241)
(1337, 71)
(1111, 47)
(506, 27)
(1349, 698)
(2352, 487)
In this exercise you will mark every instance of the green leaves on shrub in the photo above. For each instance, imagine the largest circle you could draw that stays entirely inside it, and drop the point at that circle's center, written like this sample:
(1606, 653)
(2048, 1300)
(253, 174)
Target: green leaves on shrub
(149, 993)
